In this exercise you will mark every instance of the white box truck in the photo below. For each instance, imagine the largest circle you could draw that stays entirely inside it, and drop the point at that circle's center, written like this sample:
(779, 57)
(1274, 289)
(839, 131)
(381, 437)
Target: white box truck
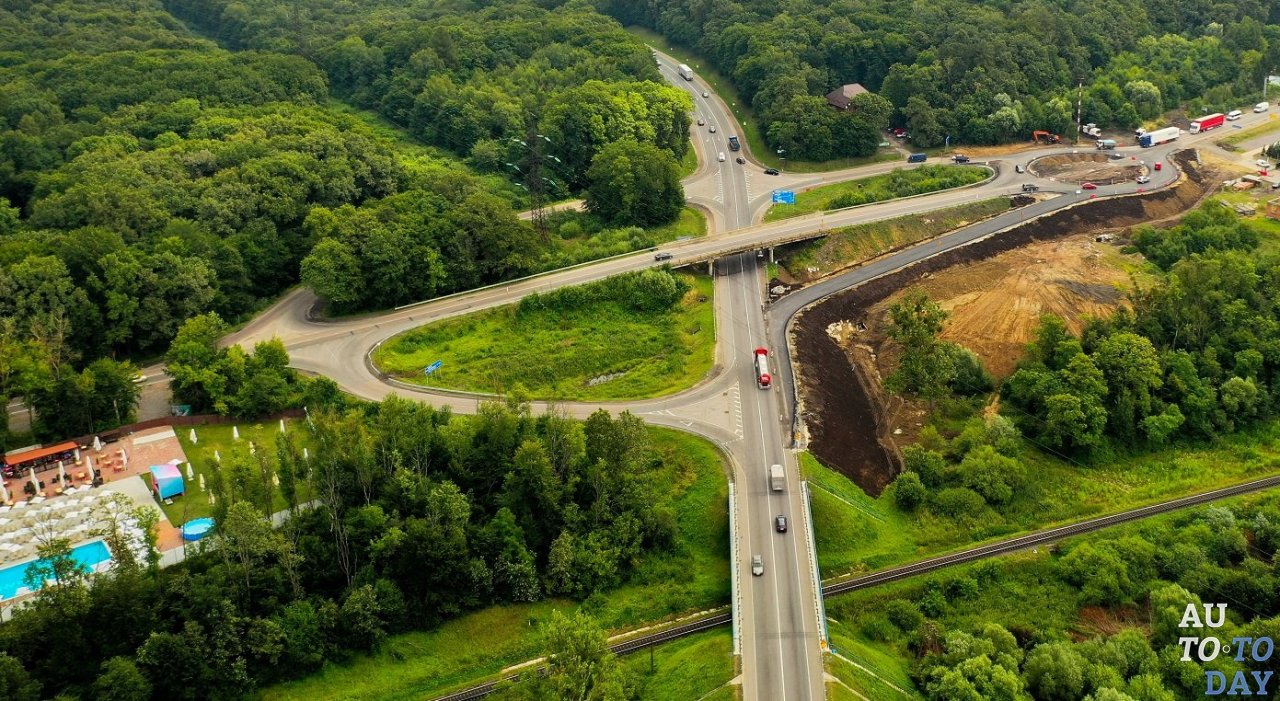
(777, 480)
(686, 72)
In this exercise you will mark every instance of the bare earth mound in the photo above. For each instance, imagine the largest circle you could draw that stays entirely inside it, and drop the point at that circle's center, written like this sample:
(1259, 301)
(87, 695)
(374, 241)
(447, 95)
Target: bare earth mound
(1094, 167)
(849, 418)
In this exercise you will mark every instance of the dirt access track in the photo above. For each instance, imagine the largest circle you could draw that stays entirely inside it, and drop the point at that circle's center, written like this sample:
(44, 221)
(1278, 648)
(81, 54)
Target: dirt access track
(1088, 167)
(844, 408)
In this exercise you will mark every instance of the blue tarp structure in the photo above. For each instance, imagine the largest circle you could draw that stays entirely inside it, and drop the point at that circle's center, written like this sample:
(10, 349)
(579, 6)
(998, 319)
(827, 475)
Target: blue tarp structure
(166, 481)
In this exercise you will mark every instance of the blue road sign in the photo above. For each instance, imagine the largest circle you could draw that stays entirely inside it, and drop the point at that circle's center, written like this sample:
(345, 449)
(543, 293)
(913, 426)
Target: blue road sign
(432, 367)
(784, 197)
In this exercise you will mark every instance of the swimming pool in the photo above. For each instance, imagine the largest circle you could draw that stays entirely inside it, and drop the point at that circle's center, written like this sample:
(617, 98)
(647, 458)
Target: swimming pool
(90, 555)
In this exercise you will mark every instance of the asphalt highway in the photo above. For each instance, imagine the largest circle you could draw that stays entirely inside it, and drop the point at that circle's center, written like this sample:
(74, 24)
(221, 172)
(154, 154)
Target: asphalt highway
(778, 623)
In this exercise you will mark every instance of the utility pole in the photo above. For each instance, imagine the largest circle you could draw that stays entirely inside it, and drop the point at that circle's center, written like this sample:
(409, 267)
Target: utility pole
(1079, 103)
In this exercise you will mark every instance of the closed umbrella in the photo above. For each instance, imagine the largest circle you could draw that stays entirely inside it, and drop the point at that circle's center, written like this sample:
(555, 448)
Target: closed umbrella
(202, 483)
(97, 444)
(275, 479)
(235, 433)
(282, 425)
(193, 438)
(34, 482)
(4, 492)
(216, 456)
(191, 474)
(305, 454)
(89, 463)
(62, 473)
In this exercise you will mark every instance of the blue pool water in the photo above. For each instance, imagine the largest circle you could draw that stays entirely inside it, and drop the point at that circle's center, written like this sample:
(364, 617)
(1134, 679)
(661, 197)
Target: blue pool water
(89, 555)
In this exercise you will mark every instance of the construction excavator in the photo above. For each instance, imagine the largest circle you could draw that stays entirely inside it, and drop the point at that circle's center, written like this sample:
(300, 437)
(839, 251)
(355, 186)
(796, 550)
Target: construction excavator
(1047, 137)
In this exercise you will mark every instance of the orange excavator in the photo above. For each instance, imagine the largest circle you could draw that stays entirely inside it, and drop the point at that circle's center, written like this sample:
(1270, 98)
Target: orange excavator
(1048, 137)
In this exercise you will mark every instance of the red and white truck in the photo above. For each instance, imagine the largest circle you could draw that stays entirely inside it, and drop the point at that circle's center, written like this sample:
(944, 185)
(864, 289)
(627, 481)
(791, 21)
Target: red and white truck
(1207, 122)
(763, 380)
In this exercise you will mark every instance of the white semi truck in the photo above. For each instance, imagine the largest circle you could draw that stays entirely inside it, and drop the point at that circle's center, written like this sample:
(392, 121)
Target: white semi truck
(686, 72)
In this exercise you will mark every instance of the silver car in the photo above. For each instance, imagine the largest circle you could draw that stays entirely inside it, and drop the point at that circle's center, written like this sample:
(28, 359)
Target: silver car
(757, 565)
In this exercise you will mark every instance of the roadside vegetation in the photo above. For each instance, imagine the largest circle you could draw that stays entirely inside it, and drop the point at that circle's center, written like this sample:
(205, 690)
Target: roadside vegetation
(847, 246)
(1242, 135)
(971, 72)
(1095, 617)
(475, 646)
(1171, 396)
(631, 336)
(878, 188)
(579, 237)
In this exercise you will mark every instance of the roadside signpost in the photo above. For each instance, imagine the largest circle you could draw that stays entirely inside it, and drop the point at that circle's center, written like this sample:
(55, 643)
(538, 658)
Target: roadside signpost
(432, 367)
(784, 197)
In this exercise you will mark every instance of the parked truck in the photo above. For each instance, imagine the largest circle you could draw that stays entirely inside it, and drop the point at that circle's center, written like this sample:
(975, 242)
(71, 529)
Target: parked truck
(1105, 144)
(1091, 130)
(1207, 122)
(686, 72)
(777, 480)
(763, 380)
(1159, 136)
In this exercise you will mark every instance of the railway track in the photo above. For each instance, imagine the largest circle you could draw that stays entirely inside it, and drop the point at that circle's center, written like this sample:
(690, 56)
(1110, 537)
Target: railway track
(1003, 547)
(622, 648)
(1043, 537)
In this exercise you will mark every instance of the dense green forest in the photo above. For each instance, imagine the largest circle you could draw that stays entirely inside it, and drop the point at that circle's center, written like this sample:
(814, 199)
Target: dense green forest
(475, 78)
(422, 516)
(148, 175)
(979, 72)
(1097, 620)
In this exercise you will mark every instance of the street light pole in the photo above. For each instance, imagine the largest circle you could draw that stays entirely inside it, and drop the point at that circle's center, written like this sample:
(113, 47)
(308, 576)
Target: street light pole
(782, 151)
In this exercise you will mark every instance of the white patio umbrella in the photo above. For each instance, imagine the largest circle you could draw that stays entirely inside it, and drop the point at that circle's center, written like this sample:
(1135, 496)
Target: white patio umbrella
(191, 474)
(202, 483)
(34, 482)
(305, 454)
(4, 492)
(282, 425)
(89, 462)
(211, 499)
(275, 479)
(62, 475)
(193, 437)
(216, 456)
(235, 433)
(97, 444)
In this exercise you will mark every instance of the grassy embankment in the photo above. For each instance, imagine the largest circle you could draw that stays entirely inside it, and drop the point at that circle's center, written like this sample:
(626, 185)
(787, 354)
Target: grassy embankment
(694, 576)
(1229, 142)
(746, 117)
(556, 353)
(1022, 591)
(856, 533)
(850, 245)
(878, 188)
(217, 438)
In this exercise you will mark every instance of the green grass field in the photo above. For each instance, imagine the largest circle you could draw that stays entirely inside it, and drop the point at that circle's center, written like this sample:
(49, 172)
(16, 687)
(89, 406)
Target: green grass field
(855, 533)
(851, 245)
(217, 438)
(878, 188)
(471, 648)
(557, 355)
(578, 237)
(746, 117)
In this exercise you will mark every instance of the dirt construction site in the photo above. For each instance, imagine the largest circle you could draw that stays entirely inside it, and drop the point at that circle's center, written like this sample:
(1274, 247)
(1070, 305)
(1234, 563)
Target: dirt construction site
(1090, 167)
(995, 291)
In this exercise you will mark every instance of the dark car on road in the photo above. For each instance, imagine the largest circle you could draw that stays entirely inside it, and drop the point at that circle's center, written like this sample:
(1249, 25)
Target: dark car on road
(662, 256)
(770, 171)
(780, 523)
(960, 158)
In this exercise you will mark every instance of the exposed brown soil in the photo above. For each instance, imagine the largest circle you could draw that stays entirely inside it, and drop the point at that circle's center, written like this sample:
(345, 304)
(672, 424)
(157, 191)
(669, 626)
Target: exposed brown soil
(849, 418)
(1090, 167)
